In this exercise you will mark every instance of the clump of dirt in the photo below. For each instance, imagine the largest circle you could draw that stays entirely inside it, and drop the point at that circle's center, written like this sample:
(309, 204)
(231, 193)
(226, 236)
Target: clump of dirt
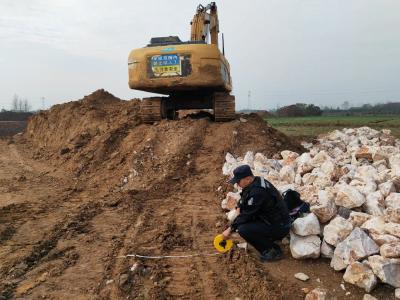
(254, 281)
(172, 238)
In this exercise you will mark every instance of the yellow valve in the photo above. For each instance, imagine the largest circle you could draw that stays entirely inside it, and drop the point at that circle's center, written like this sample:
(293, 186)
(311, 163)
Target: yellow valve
(221, 244)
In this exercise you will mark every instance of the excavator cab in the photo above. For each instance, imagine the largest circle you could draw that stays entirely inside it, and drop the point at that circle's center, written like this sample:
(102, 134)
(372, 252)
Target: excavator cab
(192, 74)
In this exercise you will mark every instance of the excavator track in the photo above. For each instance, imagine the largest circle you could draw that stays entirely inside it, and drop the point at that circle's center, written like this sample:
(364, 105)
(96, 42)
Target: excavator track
(224, 107)
(152, 109)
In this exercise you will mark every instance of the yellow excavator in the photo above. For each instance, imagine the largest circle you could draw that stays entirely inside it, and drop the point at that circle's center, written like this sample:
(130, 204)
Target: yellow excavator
(192, 75)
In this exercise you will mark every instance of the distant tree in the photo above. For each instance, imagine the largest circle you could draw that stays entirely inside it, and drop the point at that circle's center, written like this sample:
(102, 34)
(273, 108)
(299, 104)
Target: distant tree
(14, 104)
(313, 110)
(299, 110)
(26, 105)
(345, 105)
(20, 105)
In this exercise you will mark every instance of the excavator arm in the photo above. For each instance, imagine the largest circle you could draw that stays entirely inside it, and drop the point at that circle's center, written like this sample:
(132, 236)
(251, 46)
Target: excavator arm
(205, 23)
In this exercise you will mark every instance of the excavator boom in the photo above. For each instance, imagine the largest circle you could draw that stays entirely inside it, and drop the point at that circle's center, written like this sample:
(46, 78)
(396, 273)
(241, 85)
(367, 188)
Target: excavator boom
(205, 23)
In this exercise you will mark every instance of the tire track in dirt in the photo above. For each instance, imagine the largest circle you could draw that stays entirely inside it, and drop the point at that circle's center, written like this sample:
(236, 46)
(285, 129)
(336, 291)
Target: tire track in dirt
(70, 226)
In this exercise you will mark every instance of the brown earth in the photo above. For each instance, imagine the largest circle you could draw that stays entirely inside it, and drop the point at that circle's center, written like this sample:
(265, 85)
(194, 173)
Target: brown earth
(87, 184)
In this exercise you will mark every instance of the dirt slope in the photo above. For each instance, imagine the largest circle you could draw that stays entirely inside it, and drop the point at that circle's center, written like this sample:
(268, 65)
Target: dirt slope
(88, 183)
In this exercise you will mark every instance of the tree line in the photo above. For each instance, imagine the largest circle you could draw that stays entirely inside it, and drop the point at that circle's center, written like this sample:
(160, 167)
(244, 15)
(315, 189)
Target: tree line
(303, 110)
(20, 105)
(20, 110)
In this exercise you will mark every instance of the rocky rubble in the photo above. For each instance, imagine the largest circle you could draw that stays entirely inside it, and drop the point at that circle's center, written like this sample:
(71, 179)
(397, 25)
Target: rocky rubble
(351, 179)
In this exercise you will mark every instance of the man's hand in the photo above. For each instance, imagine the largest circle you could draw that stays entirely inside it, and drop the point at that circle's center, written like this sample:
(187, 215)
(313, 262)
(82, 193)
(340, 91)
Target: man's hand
(226, 233)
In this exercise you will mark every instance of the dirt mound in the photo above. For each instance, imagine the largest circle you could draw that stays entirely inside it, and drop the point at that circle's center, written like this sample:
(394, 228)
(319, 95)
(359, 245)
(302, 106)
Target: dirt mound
(75, 124)
(101, 185)
(101, 132)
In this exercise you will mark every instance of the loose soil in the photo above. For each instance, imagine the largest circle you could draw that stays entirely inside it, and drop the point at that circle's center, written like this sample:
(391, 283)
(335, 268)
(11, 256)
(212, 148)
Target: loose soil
(87, 184)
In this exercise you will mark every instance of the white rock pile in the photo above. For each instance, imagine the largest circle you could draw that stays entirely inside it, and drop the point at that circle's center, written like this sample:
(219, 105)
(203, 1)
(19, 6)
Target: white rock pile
(351, 179)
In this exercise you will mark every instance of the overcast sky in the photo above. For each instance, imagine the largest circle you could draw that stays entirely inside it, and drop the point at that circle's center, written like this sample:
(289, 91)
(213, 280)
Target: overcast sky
(284, 51)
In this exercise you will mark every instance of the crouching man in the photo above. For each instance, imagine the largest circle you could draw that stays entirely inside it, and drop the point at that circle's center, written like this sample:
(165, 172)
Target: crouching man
(263, 216)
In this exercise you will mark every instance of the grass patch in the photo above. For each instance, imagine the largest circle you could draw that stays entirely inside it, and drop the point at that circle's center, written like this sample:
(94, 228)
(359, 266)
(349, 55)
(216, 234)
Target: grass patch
(310, 127)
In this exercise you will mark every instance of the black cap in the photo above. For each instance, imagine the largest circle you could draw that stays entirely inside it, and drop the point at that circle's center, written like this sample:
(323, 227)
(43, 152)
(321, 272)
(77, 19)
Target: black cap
(240, 173)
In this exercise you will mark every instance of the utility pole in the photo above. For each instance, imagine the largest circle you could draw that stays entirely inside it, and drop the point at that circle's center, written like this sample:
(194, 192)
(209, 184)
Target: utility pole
(249, 101)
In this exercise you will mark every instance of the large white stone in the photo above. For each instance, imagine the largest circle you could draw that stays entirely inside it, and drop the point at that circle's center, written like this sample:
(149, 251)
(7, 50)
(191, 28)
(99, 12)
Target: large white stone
(287, 174)
(304, 163)
(391, 250)
(322, 181)
(336, 135)
(319, 159)
(309, 194)
(330, 169)
(230, 201)
(320, 294)
(260, 164)
(392, 215)
(364, 186)
(326, 250)
(380, 165)
(305, 247)
(386, 188)
(274, 164)
(374, 204)
(367, 188)
(356, 246)
(248, 159)
(394, 162)
(361, 275)
(387, 269)
(289, 157)
(230, 164)
(297, 179)
(231, 215)
(384, 176)
(307, 225)
(273, 176)
(349, 197)
(366, 173)
(375, 225)
(309, 178)
(301, 276)
(358, 218)
(337, 230)
(369, 297)
(392, 228)
(381, 239)
(325, 209)
(393, 200)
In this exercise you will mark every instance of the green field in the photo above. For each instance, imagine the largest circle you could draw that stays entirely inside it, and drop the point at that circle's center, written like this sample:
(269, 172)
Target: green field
(309, 127)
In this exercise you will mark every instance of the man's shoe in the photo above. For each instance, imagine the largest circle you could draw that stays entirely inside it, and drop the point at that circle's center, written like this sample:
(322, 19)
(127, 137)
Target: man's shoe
(272, 254)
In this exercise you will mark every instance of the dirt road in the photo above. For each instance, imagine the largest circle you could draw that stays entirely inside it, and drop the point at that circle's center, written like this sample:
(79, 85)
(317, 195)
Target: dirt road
(79, 194)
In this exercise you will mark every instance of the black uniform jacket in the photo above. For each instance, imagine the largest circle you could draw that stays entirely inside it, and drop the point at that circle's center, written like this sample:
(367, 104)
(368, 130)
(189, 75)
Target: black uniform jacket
(261, 201)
